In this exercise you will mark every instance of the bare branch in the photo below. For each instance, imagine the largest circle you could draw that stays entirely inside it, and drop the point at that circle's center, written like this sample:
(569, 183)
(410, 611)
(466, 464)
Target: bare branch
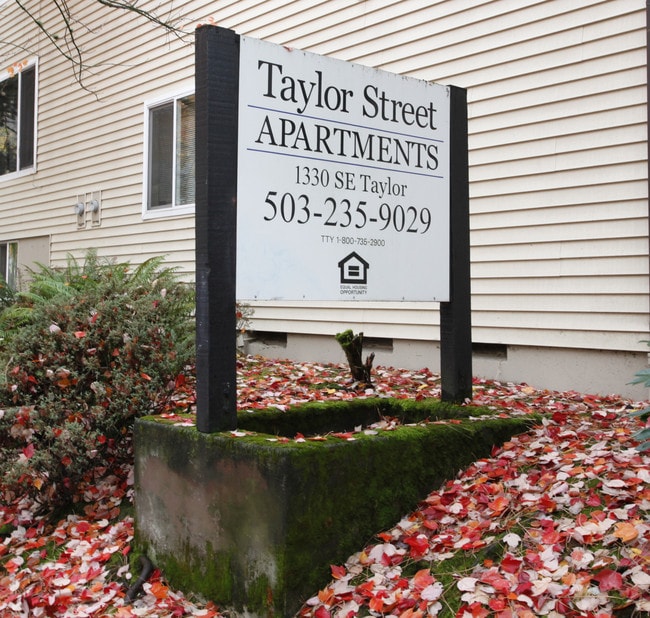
(72, 50)
(50, 36)
(22, 48)
(127, 5)
(65, 15)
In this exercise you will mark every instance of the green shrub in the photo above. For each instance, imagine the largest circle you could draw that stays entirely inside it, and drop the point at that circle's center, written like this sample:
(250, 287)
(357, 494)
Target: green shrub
(88, 349)
(6, 300)
(6, 294)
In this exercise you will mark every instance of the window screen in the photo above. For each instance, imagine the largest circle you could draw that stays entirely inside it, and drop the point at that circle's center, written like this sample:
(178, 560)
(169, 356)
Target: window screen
(17, 126)
(171, 154)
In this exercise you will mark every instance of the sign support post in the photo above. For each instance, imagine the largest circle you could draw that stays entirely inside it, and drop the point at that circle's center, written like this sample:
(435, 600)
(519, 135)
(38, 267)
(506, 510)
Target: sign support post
(455, 315)
(217, 96)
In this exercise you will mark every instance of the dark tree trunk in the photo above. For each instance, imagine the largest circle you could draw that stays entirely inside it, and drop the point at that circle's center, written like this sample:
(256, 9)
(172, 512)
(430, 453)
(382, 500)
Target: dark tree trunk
(353, 347)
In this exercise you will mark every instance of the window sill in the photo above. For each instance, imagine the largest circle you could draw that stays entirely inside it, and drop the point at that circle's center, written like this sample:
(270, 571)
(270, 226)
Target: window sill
(28, 171)
(172, 211)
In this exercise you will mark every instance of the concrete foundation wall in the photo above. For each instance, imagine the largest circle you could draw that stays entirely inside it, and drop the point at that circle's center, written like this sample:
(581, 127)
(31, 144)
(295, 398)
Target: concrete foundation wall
(588, 371)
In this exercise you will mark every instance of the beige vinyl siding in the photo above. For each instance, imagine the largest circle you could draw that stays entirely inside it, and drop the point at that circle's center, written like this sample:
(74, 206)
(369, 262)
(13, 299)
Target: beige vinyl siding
(376, 319)
(558, 154)
(558, 150)
(592, 163)
(92, 140)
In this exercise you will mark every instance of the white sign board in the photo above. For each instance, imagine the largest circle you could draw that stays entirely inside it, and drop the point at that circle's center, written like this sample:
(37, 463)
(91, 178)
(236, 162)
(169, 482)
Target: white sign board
(343, 180)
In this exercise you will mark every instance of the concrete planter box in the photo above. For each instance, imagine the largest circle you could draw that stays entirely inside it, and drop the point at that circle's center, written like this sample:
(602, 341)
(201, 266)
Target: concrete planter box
(254, 522)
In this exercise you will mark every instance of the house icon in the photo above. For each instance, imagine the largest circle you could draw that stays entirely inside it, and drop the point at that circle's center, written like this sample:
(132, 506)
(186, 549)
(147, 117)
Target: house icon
(353, 269)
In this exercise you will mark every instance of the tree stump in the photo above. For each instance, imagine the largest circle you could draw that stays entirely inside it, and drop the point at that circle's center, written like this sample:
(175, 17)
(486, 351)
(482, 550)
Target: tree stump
(353, 347)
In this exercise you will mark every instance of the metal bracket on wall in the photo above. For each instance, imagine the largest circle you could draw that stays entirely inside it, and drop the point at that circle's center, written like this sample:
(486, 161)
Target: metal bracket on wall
(95, 207)
(80, 211)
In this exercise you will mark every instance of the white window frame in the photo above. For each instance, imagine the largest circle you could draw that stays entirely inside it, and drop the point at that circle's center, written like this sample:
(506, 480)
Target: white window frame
(173, 210)
(6, 74)
(10, 271)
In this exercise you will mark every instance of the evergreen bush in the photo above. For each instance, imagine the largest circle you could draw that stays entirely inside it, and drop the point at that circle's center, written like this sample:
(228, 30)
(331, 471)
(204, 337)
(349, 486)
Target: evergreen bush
(88, 348)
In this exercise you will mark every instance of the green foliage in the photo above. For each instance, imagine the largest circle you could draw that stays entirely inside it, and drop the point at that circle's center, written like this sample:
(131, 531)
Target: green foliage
(642, 377)
(7, 299)
(6, 294)
(643, 436)
(88, 348)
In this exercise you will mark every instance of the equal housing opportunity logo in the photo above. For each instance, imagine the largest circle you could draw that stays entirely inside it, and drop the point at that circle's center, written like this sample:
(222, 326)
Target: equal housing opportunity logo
(353, 273)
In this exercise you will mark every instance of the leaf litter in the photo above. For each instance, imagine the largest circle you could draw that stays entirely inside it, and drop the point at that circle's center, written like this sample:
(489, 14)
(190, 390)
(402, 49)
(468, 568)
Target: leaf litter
(555, 523)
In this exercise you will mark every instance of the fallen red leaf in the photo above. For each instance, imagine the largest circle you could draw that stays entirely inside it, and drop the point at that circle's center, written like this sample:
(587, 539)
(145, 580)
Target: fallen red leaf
(510, 564)
(321, 612)
(609, 579)
(423, 578)
(496, 580)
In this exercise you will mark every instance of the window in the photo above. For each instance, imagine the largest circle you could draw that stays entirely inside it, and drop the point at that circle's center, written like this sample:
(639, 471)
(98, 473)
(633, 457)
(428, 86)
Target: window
(9, 263)
(170, 159)
(17, 119)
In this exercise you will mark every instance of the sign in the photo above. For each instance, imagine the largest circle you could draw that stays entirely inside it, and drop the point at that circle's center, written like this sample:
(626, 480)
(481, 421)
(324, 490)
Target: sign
(343, 180)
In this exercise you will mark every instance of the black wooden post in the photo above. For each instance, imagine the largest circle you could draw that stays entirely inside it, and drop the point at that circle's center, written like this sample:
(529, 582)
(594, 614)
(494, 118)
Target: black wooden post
(217, 96)
(455, 315)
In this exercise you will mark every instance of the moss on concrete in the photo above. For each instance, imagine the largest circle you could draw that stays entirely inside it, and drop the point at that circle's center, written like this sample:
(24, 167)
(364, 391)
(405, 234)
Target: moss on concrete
(204, 572)
(316, 418)
(254, 522)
